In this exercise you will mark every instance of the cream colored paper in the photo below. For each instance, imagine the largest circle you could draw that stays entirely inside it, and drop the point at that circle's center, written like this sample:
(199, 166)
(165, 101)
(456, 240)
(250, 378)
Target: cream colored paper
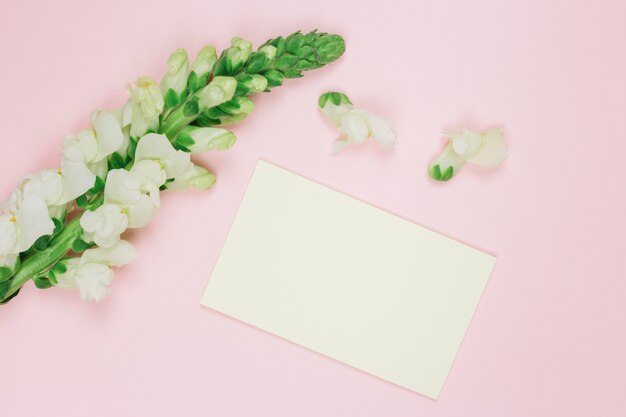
(348, 280)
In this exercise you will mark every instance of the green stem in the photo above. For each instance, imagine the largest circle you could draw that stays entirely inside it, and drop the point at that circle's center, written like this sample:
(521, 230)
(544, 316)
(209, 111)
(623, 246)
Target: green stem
(39, 261)
(176, 121)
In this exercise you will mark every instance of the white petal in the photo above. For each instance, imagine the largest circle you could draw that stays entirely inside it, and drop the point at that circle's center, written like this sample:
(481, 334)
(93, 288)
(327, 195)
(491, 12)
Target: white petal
(493, 151)
(354, 127)
(122, 188)
(108, 133)
(77, 179)
(9, 261)
(157, 147)
(81, 147)
(104, 225)
(68, 278)
(33, 221)
(380, 129)
(335, 113)
(141, 212)
(47, 185)
(92, 281)
(8, 234)
(121, 253)
(466, 143)
(151, 174)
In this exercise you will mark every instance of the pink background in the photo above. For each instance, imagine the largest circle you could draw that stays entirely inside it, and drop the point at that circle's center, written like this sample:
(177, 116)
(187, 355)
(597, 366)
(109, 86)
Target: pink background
(548, 338)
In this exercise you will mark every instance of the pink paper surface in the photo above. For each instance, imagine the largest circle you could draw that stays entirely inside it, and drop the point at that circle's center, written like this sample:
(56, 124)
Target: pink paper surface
(547, 339)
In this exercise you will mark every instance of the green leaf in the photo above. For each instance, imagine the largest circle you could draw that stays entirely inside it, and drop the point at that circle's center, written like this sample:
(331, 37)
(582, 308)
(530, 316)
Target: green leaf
(286, 62)
(274, 78)
(42, 282)
(116, 161)
(191, 108)
(60, 267)
(41, 243)
(80, 245)
(171, 99)
(192, 82)
(292, 73)
(5, 273)
(10, 297)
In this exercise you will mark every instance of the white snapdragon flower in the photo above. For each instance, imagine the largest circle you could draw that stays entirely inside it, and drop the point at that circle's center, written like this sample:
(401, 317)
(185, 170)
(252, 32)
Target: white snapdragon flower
(124, 189)
(175, 78)
(94, 146)
(157, 148)
(104, 225)
(92, 273)
(355, 125)
(23, 224)
(10, 262)
(195, 177)
(486, 149)
(146, 106)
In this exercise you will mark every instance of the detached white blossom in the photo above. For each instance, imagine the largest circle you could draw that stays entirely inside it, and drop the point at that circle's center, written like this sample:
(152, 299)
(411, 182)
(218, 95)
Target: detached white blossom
(218, 91)
(21, 226)
(486, 149)
(175, 78)
(146, 106)
(92, 273)
(104, 225)
(195, 177)
(202, 139)
(93, 147)
(355, 125)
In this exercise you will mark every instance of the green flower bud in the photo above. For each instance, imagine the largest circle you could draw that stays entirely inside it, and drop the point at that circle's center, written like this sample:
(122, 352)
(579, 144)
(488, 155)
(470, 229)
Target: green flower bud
(219, 90)
(204, 61)
(175, 78)
(202, 139)
(269, 51)
(245, 108)
(195, 177)
(254, 83)
(235, 57)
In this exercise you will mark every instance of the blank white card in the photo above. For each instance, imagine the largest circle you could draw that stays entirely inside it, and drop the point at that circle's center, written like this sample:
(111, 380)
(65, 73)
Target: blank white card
(348, 280)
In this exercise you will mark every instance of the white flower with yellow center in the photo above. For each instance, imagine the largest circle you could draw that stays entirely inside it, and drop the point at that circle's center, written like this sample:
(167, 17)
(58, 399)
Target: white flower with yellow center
(146, 106)
(92, 273)
(123, 189)
(22, 225)
(486, 149)
(105, 225)
(355, 125)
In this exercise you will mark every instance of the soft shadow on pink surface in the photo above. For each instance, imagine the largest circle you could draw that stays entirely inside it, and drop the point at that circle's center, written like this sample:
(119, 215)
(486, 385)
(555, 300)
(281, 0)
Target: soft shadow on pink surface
(547, 338)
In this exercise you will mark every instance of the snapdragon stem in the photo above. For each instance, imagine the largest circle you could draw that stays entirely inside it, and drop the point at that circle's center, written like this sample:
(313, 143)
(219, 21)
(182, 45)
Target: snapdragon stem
(175, 121)
(39, 261)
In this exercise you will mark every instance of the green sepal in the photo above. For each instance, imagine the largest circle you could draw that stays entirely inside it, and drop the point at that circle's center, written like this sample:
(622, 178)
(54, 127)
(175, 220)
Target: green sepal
(258, 62)
(216, 112)
(171, 99)
(52, 277)
(60, 267)
(10, 297)
(184, 141)
(278, 43)
(132, 147)
(79, 245)
(192, 108)
(116, 161)
(242, 89)
(286, 61)
(4, 287)
(41, 243)
(230, 107)
(435, 172)
(58, 226)
(447, 173)
(42, 282)
(192, 82)
(274, 78)
(305, 52)
(82, 201)
(206, 121)
(5, 273)
(292, 73)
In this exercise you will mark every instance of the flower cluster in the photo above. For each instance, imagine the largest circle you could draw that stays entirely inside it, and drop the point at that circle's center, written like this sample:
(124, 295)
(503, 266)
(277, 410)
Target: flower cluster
(64, 227)
(486, 149)
(354, 124)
